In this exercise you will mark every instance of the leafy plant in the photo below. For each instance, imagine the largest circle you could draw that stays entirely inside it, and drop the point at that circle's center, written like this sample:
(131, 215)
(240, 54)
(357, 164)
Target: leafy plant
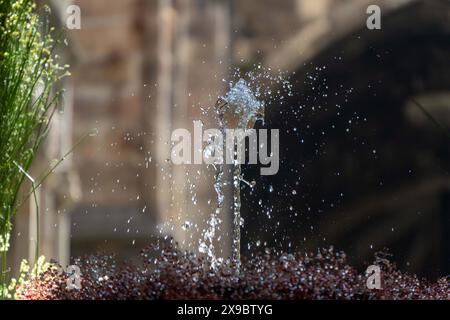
(28, 72)
(27, 273)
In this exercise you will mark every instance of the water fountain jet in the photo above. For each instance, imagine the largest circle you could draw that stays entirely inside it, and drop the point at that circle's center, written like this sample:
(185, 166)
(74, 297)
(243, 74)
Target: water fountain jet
(240, 103)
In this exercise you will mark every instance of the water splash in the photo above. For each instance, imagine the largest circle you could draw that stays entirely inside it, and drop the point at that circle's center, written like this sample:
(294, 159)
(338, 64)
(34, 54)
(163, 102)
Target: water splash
(207, 245)
(240, 108)
(241, 101)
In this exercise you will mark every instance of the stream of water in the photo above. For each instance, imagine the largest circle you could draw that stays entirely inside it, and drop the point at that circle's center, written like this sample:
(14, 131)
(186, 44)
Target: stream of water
(240, 102)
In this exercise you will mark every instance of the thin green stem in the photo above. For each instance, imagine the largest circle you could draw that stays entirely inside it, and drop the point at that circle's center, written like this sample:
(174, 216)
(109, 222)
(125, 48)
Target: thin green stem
(444, 129)
(51, 170)
(3, 274)
(38, 237)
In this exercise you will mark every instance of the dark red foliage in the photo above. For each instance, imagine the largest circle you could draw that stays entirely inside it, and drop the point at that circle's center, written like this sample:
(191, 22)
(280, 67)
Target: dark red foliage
(175, 275)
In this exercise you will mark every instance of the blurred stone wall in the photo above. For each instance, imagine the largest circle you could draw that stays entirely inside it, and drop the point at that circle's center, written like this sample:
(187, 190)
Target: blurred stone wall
(146, 67)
